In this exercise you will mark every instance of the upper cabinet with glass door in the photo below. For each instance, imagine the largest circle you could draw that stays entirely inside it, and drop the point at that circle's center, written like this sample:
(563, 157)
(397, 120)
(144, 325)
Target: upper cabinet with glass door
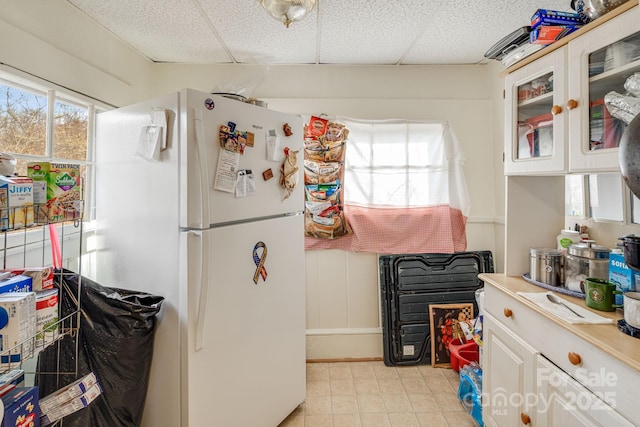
(599, 62)
(534, 117)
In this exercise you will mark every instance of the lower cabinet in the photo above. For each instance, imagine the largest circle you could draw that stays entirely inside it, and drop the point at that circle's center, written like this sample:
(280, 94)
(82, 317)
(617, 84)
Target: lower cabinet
(536, 373)
(562, 401)
(507, 377)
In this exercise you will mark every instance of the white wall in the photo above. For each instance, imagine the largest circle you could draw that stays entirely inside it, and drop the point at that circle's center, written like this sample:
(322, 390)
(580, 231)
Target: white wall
(52, 41)
(343, 307)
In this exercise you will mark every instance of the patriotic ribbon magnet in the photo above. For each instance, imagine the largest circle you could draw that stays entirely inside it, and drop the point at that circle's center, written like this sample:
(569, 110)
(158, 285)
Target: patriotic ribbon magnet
(259, 260)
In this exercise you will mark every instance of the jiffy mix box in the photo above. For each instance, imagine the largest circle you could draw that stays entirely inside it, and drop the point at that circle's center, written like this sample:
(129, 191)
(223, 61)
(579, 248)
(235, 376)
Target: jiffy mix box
(16, 202)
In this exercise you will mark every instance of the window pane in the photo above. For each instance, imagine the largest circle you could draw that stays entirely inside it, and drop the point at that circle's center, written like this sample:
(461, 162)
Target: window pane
(605, 197)
(23, 116)
(574, 195)
(70, 131)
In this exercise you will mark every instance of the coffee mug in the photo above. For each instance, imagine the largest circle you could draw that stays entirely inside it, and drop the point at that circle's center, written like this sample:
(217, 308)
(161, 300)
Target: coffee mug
(600, 294)
(632, 309)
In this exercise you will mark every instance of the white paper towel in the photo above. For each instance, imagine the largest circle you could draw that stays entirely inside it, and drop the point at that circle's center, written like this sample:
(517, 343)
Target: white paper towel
(541, 300)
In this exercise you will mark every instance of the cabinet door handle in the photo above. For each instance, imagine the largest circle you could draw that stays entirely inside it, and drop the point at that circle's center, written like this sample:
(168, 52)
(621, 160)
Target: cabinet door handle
(571, 104)
(507, 312)
(526, 419)
(574, 358)
(556, 109)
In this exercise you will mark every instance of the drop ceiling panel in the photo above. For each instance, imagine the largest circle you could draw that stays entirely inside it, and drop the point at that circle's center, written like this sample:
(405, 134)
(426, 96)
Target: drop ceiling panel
(465, 30)
(336, 31)
(164, 31)
(254, 36)
(372, 31)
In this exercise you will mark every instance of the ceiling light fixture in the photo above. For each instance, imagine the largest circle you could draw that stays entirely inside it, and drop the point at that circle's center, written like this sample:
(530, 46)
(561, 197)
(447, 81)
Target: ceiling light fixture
(288, 11)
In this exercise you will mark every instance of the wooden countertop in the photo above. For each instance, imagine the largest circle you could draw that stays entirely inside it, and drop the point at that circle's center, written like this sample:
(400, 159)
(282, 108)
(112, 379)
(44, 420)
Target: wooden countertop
(607, 338)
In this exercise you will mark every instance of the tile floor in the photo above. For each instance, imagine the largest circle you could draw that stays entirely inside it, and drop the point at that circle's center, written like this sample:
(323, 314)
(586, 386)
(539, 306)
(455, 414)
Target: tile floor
(370, 394)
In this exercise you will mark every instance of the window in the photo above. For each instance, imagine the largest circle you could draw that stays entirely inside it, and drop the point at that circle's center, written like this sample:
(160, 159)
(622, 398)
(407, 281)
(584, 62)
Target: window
(39, 122)
(404, 186)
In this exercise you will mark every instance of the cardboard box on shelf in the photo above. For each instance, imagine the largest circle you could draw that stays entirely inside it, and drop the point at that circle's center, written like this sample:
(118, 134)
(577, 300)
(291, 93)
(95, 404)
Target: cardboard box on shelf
(18, 317)
(554, 17)
(547, 34)
(16, 208)
(42, 277)
(17, 283)
(57, 191)
(21, 408)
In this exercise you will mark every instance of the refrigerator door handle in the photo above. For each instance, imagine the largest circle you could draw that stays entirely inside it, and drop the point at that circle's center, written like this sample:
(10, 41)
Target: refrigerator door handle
(204, 167)
(201, 312)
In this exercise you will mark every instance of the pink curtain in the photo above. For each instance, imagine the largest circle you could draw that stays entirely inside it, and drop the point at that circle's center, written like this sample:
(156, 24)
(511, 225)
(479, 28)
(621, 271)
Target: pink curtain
(434, 229)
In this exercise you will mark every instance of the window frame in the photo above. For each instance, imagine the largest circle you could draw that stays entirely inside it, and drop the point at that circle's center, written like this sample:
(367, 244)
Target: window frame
(56, 93)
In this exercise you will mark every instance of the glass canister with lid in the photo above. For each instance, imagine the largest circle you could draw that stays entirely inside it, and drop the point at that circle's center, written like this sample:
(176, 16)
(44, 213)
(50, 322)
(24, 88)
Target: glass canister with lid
(584, 260)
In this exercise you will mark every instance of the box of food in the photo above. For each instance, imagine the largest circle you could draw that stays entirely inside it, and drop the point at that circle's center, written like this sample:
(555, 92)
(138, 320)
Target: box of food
(42, 277)
(17, 283)
(622, 276)
(18, 320)
(17, 212)
(57, 191)
(547, 34)
(67, 393)
(554, 17)
(21, 408)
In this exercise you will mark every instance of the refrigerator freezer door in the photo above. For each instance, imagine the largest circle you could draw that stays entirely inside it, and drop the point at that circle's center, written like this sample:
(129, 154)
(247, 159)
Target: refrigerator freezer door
(251, 369)
(225, 207)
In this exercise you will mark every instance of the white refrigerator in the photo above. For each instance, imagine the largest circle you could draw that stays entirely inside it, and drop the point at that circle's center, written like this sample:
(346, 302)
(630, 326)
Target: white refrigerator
(229, 350)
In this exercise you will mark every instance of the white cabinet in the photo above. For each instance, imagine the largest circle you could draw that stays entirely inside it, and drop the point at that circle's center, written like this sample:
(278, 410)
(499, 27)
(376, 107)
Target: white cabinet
(534, 119)
(508, 368)
(555, 118)
(562, 401)
(599, 62)
(537, 372)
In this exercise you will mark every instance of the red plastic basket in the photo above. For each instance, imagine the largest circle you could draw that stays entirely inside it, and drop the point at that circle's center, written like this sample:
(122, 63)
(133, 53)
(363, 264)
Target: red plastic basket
(463, 353)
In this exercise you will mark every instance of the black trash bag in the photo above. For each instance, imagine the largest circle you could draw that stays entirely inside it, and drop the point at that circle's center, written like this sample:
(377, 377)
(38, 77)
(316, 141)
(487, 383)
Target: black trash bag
(115, 342)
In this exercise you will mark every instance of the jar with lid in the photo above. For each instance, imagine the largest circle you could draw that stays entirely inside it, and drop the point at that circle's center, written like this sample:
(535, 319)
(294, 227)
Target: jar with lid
(566, 238)
(584, 260)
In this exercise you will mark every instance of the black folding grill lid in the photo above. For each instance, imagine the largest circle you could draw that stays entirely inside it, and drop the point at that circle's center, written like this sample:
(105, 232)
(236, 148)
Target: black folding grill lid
(410, 284)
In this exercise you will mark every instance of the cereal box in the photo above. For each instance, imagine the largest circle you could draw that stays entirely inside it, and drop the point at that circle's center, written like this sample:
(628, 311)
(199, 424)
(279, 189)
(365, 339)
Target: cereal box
(19, 202)
(57, 191)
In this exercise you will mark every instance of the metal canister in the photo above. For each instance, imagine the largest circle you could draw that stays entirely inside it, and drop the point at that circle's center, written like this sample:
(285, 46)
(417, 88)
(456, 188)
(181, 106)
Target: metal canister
(584, 260)
(547, 266)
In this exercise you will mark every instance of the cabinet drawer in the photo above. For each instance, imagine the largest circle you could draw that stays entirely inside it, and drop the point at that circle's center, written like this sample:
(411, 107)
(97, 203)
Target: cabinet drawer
(608, 378)
(562, 401)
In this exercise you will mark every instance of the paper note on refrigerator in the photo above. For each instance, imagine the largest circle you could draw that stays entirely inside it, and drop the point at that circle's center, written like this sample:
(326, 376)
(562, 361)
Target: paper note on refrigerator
(228, 162)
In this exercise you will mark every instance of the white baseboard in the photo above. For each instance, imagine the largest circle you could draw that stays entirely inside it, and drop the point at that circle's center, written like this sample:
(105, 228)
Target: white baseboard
(358, 343)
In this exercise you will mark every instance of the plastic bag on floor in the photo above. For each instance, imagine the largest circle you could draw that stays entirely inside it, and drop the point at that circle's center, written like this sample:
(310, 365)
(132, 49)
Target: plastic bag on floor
(115, 341)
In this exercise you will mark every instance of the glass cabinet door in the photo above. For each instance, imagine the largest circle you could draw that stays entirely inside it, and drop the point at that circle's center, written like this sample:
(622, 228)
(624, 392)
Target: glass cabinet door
(606, 56)
(534, 121)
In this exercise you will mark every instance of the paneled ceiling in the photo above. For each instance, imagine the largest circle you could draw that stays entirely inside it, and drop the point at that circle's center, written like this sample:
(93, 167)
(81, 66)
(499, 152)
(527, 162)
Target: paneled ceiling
(353, 32)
